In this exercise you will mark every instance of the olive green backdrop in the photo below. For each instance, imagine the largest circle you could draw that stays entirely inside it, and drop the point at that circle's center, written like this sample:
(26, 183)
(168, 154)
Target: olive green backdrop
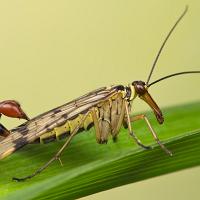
(54, 51)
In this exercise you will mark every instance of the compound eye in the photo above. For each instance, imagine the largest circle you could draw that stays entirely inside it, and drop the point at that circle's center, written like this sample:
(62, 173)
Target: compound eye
(139, 87)
(138, 83)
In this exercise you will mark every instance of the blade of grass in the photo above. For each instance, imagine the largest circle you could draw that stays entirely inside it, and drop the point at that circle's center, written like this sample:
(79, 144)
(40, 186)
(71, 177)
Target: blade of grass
(90, 167)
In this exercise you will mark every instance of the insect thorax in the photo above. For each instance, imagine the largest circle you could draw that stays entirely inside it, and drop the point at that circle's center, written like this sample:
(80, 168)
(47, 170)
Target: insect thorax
(129, 92)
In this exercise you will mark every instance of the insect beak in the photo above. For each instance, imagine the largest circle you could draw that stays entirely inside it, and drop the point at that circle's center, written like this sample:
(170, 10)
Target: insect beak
(149, 100)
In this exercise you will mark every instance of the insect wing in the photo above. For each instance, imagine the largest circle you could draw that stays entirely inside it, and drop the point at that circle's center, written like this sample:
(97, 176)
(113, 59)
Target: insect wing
(33, 129)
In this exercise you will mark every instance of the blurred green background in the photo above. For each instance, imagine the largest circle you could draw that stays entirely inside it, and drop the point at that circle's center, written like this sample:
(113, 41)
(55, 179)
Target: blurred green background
(54, 51)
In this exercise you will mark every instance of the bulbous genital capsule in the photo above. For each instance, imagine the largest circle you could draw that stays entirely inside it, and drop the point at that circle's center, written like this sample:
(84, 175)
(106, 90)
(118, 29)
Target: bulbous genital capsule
(10, 108)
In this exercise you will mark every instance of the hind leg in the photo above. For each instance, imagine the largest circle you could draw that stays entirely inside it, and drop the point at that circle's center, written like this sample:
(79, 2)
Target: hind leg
(58, 154)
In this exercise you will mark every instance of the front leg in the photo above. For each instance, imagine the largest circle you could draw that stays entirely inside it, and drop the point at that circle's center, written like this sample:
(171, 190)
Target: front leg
(142, 116)
(132, 134)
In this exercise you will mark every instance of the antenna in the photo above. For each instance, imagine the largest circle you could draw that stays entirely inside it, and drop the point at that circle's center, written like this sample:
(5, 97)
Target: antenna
(171, 75)
(163, 44)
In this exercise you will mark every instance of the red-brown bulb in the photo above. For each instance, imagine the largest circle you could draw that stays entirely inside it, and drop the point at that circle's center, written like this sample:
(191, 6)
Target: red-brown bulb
(12, 108)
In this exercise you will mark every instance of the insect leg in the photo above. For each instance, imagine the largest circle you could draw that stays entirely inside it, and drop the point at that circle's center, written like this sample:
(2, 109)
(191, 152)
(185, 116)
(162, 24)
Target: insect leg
(58, 154)
(96, 125)
(142, 116)
(132, 134)
(102, 127)
(115, 129)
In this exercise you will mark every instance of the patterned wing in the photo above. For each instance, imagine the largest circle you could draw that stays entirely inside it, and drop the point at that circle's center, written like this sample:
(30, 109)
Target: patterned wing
(47, 121)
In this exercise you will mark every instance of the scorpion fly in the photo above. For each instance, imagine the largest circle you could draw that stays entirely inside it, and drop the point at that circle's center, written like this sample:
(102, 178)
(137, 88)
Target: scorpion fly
(106, 109)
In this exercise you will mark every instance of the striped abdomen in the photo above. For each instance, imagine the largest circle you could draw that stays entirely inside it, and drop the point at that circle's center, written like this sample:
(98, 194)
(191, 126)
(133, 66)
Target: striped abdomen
(107, 113)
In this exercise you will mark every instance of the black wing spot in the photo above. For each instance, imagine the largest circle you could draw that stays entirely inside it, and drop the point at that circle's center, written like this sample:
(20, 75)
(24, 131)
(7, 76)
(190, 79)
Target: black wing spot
(24, 130)
(20, 142)
(65, 115)
(57, 111)
(53, 115)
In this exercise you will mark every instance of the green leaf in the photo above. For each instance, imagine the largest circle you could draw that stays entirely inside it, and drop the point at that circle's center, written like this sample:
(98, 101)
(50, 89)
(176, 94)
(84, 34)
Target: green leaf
(90, 167)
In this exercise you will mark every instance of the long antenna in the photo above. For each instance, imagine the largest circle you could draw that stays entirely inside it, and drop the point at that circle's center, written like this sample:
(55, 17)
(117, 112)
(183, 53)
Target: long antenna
(171, 75)
(163, 44)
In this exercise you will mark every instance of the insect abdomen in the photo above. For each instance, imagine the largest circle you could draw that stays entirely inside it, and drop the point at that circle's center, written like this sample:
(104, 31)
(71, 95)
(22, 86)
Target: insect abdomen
(63, 131)
(107, 115)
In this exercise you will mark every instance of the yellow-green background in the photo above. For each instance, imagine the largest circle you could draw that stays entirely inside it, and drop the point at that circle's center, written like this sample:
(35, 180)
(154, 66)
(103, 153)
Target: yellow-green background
(54, 51)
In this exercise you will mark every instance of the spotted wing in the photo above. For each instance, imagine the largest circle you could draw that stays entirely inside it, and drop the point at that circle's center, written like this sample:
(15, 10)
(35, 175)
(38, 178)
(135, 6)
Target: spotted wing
(47, 121)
